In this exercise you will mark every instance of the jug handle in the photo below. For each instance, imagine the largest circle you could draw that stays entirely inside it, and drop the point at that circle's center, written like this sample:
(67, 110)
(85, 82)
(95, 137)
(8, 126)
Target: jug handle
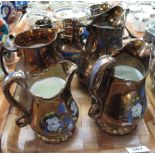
(1, 57)
(71, 71)
(18, 77)
(101, 73)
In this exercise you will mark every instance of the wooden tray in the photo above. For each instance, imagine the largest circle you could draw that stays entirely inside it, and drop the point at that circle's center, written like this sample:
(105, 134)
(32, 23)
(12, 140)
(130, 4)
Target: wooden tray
(150, 91)
(87, 137)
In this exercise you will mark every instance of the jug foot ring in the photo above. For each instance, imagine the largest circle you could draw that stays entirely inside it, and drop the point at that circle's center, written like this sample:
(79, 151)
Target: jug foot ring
(55, 139)
(120, 131)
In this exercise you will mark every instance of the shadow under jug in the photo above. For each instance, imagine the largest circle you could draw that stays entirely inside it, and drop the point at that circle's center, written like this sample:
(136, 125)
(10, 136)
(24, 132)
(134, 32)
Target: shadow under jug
(52, 112)
(117, 87)
(37, 49)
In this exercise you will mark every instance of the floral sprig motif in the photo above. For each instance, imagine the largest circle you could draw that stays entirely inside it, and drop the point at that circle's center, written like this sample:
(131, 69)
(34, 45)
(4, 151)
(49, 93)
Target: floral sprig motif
(136, 110)
(53, 124)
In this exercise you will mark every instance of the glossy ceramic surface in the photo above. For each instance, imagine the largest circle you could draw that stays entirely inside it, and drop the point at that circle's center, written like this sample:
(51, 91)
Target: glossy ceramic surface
(117, 104)
(53, 119)
(37, 49)
(105, 32)
(71, 40)
(43, 23)
(96, 9)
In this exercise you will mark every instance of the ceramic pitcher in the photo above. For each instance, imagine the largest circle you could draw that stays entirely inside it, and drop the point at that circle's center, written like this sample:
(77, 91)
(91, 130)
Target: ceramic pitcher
(71, 40)
(37, 48)
(117, 88)
(105, 36)
(52, 113)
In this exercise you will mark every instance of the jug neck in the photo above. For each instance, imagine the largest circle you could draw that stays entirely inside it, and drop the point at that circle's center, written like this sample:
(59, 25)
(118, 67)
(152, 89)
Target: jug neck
(55, 81)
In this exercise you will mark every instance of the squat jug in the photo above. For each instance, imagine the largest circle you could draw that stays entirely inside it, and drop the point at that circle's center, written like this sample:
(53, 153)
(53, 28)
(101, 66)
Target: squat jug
(52, 112)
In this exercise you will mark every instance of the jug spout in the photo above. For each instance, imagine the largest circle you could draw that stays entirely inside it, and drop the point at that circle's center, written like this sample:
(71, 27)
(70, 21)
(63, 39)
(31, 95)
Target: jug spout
(112, 18)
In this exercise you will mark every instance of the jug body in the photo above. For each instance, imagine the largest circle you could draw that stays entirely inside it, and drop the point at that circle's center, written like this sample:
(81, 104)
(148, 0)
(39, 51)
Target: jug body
(37, 50)
(117, 86)
(52, 113)
(105, 37)
(71, 40)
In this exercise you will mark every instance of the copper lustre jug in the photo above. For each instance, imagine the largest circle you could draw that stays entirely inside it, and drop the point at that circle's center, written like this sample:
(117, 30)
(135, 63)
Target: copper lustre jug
(105, 36)
(70, 37)
(37, 49)
(117, 88)
(52, 112)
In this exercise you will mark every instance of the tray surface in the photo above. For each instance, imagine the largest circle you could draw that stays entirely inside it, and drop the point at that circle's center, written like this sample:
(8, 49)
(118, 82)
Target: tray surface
(150, 91)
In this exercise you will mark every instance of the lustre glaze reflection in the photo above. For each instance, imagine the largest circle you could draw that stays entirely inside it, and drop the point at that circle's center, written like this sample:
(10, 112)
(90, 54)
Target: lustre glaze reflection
(105, 37)
(70, 40)
(54, 118)
(118, 104)
(37, 49)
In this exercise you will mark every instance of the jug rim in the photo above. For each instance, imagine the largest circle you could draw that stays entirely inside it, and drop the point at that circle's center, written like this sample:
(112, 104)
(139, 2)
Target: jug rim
(62, 89)
(87, 9)
(38, 29)
(121, 79)
(94, 17)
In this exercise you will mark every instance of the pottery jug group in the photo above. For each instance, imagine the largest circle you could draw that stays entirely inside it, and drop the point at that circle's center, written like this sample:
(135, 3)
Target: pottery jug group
(114, 74)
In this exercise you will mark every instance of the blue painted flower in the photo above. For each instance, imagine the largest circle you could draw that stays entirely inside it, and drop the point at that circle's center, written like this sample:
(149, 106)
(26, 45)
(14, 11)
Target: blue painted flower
(53, 124)
(69, 123)
(136, 110)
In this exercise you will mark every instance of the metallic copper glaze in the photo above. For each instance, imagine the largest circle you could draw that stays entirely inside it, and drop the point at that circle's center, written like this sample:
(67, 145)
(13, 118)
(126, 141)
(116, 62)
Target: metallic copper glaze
(105, 37)
(38, 50)
(53, 119)
(118, 104)
(70, 40)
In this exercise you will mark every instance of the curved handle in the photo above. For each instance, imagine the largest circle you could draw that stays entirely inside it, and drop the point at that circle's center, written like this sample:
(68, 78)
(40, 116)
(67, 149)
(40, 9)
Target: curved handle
(88, 52)
(99, 81)
(19, 78)
(57, 46)
(9, 12)
(1, 57)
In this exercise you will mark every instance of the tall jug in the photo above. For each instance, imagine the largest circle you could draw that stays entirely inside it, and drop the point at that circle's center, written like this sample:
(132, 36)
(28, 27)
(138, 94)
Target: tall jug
(105, 36)
(37, 49)
(117, 87)
(71, 40)
(52, 112)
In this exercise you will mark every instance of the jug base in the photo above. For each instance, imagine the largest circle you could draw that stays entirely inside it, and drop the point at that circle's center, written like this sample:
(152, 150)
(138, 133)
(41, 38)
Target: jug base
(120, 131)
(55, 139)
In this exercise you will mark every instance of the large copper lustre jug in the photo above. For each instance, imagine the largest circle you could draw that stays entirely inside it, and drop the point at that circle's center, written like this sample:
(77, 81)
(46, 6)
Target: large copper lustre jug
(105, 32)
(117, 88)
